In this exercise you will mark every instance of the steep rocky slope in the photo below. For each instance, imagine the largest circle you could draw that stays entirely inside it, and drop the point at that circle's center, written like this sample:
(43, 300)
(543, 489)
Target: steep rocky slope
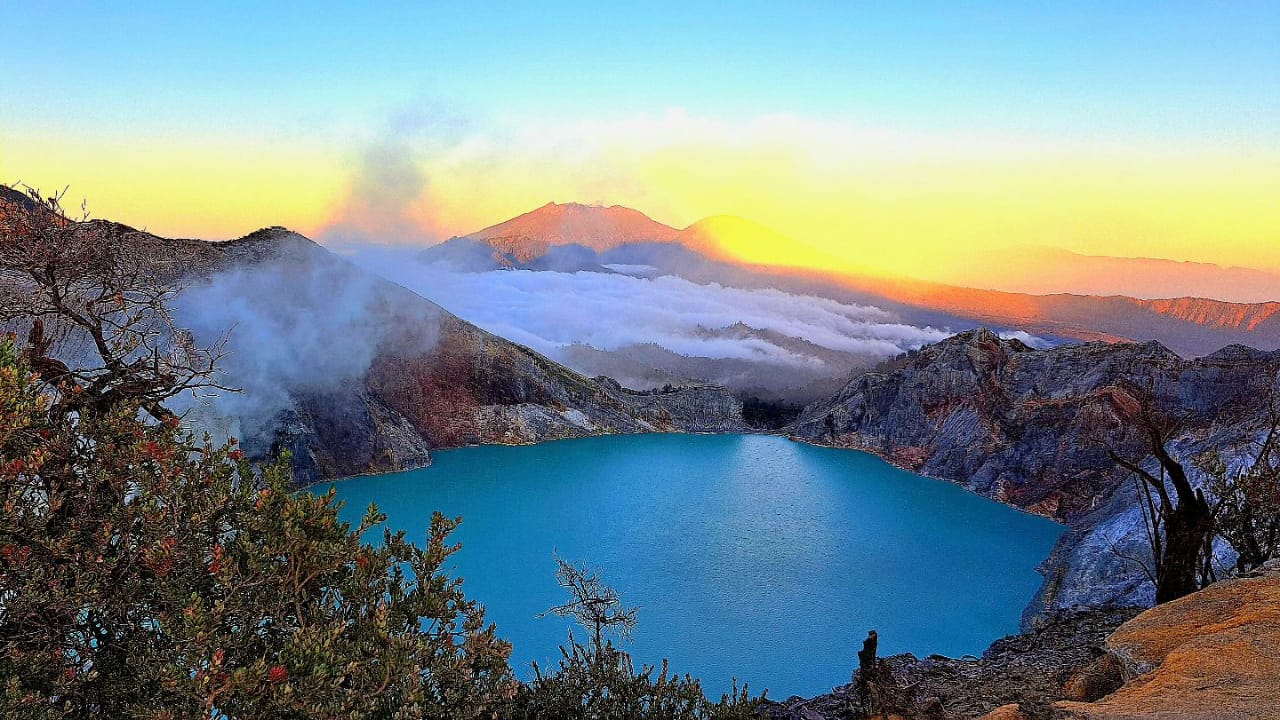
(1031, 428)
(354, 374)
(1213, 655)
(426, 378)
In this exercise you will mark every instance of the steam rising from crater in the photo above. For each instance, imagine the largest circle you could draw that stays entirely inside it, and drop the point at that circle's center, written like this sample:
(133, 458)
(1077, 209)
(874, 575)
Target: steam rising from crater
(298, 322)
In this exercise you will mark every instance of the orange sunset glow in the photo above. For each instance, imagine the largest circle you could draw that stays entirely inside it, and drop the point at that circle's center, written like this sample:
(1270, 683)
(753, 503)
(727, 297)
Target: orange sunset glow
(857, 173)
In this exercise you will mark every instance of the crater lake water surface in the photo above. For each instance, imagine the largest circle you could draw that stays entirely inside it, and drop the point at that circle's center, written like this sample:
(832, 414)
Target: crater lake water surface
(747, 555)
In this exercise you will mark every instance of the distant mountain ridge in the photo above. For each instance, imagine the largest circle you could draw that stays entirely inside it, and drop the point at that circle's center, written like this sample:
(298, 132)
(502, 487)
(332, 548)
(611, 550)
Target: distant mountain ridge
(652, 365)
(1189, 326)
(576, 237)
(1250, 317)
(1049, 270)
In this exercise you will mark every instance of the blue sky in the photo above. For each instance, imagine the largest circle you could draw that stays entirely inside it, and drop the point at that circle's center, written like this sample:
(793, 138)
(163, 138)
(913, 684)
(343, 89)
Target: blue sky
(884, 133)
(1127, 69)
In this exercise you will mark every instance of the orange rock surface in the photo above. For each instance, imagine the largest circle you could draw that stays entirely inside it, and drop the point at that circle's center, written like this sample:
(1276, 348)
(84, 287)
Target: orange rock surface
(1004, 712)
(1213, 655)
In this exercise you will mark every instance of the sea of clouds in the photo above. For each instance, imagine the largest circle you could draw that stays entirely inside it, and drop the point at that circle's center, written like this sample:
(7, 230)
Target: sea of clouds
(548, 311)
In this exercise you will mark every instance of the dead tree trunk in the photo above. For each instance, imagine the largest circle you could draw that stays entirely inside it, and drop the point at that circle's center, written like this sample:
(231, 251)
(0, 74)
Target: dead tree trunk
(868, 692)
(1187, 529)
(1183, 525)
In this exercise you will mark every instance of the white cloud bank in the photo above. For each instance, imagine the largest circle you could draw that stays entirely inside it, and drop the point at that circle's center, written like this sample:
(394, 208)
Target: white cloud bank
(548, 311)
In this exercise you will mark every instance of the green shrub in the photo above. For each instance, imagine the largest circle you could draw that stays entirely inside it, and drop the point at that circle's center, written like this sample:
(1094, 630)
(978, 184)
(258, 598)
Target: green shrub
(145, 576)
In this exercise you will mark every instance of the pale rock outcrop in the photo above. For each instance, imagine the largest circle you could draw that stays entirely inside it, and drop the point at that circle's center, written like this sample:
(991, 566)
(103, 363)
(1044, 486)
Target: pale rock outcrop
(1031, 428)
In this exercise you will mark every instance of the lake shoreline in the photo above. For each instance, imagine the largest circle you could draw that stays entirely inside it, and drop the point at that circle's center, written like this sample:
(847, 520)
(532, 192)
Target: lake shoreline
(792, 438)
(1047, 568)
(788, 516)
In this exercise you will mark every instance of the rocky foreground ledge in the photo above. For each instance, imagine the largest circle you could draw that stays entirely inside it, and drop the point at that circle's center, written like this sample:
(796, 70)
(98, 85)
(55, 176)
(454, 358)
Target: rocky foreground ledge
(1213, 655)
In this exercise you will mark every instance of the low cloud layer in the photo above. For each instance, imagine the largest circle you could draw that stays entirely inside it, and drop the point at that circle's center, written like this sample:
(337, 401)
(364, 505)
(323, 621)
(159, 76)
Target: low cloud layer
(549, 311)
(1034, 341)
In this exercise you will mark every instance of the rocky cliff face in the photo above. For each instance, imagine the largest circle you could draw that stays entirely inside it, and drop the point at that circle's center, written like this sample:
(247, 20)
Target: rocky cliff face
(354, 374)
(1031, 428)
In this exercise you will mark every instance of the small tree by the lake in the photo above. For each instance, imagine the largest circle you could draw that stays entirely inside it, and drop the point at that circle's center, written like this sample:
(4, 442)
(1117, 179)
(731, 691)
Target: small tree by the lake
(599, 680)
(596, 606)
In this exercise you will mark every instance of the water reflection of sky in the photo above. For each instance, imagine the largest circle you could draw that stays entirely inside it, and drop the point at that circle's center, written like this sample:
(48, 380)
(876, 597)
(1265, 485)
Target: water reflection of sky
(749, 556)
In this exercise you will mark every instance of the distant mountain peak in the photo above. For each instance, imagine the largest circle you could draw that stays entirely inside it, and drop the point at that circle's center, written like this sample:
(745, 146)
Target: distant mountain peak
(593, 226)
(603, 228)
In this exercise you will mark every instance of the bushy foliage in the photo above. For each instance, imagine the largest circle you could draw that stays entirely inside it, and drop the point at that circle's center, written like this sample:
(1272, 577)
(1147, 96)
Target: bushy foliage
(602, 683)
(1247, 501)
(144, 576)
(598, 681)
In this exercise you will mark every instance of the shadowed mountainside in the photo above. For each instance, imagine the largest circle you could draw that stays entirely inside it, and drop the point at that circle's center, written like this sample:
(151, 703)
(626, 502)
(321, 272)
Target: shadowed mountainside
(432, 380)
(1031, 428)
(354, 374)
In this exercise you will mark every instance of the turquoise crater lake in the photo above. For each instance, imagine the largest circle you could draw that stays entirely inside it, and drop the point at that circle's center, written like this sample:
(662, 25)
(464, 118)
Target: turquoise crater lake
(748, 555)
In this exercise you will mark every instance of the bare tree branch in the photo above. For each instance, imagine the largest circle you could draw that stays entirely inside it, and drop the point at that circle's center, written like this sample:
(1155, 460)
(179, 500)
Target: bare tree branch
(96, 311)
(595, 605)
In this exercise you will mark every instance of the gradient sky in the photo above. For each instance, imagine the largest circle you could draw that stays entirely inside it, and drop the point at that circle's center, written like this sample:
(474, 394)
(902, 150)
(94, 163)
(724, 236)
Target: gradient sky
(873, 134)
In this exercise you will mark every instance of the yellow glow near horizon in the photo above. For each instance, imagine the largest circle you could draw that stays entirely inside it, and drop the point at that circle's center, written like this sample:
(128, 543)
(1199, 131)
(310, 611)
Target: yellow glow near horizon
(826, 194)
(176, 188)
(913, 219)
(842, 199)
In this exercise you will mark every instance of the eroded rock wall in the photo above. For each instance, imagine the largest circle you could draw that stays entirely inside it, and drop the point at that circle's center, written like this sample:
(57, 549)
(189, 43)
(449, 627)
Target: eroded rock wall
(1032, 428)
